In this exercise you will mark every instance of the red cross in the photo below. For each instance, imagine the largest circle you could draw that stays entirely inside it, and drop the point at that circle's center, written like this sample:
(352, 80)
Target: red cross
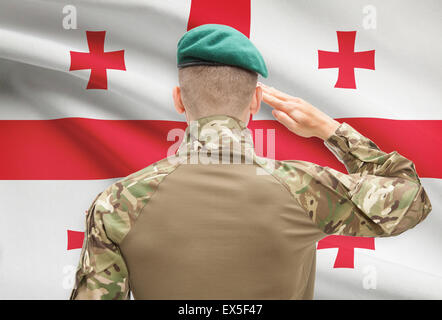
(75, 239)
(97, 60)
(346, 246)
(346, 59)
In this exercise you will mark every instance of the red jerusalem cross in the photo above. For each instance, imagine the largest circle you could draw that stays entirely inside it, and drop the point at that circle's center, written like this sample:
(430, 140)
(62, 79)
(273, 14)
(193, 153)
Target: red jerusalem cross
(346, 246)
(97, 60)
(346, 59)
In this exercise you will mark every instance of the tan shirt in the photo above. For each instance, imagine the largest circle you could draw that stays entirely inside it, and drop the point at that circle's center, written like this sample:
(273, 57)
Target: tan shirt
(215, 221)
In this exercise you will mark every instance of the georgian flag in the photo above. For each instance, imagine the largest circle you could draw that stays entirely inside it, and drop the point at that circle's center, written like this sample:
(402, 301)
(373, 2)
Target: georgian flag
(85, 99)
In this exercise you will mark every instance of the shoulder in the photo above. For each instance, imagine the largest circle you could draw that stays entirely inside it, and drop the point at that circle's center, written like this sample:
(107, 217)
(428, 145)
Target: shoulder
(140, 184)
(302, 176)
(292, 172)
(119, 204)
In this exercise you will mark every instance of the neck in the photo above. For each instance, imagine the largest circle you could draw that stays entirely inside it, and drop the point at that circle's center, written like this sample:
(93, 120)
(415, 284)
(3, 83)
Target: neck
(243, 117)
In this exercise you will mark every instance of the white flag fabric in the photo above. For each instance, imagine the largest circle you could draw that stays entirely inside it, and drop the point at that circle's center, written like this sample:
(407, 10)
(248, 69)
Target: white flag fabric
(69, 129)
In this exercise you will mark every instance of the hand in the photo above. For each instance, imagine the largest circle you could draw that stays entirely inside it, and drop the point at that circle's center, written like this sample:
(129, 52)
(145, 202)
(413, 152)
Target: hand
(298, 115)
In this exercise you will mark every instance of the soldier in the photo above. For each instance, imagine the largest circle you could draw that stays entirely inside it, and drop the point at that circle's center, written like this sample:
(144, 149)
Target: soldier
(204, 229)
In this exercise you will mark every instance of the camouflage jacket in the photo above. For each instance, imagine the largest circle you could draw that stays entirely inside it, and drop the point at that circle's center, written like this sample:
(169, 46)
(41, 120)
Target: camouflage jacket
(381, 196)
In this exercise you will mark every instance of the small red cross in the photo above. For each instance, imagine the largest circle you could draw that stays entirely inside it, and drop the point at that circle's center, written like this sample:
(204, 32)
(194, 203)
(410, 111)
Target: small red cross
(97, 60)
(346, 246)
(346, 59)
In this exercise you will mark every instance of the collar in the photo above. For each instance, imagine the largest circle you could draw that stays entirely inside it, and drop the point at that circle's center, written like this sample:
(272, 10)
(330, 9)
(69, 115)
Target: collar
(217, 133)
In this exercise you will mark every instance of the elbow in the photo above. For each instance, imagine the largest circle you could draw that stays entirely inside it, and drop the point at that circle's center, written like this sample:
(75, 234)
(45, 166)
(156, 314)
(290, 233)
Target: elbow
(416, 213)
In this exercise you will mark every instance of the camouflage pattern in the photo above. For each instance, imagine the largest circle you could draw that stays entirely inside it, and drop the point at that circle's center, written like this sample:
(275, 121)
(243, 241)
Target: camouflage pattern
(102, 272)
(208, 139)
(381, 196)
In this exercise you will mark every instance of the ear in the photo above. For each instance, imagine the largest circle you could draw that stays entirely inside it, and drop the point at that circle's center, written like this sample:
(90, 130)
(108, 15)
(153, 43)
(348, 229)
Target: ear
(255, 105)
(179, 106)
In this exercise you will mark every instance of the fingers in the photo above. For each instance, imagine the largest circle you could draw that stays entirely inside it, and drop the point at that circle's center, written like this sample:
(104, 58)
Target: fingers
(285, 120)
(276, 93)
(275, 102)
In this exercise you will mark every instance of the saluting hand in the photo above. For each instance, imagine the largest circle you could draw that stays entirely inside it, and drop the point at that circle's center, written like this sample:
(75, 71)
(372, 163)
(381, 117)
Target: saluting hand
(298, 115)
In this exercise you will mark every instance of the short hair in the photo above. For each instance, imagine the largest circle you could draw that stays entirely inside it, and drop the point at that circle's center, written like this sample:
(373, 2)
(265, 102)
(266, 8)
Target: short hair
(209, 90)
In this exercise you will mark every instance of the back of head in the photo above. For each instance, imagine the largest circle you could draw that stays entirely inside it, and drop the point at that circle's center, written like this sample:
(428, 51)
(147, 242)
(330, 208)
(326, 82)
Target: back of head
(211, 90)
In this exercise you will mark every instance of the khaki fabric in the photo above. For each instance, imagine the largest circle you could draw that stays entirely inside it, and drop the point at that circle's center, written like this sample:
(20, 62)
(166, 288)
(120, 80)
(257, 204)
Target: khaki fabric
(221, 232)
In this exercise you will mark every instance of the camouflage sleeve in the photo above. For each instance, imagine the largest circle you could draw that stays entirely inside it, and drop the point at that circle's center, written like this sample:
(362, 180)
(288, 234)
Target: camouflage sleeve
(362, 156)
(381, 196)
(101, 273)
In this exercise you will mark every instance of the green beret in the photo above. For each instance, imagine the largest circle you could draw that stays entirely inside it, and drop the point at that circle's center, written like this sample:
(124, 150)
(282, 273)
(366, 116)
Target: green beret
(217, 44)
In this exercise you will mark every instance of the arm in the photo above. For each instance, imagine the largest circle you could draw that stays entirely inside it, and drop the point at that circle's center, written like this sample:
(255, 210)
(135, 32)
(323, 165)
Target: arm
(381, 196)
(102, 273)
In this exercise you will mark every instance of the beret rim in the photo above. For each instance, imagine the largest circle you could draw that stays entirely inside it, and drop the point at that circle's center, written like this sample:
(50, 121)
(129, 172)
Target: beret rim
(210, 63)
